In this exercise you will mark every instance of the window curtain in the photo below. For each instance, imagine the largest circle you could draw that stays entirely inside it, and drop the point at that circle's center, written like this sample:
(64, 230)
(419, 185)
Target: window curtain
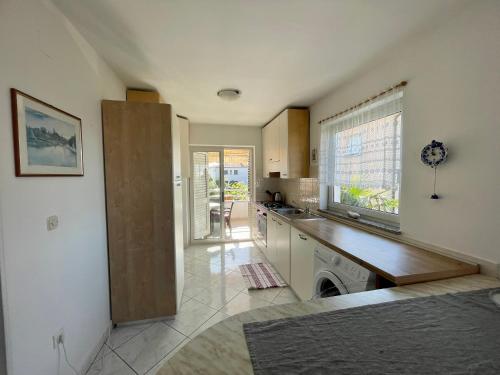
(362, 147)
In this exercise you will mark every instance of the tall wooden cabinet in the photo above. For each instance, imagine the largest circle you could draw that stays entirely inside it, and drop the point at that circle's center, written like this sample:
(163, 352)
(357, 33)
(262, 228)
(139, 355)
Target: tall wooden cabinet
(141, 154)
(285, 145)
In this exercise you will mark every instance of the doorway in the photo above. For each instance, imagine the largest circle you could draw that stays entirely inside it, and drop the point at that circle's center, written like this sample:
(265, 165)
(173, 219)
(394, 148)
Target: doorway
(221, 191)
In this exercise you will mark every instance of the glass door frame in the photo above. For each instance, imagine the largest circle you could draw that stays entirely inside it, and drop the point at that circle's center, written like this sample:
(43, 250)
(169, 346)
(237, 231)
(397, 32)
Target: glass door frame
(251, 189)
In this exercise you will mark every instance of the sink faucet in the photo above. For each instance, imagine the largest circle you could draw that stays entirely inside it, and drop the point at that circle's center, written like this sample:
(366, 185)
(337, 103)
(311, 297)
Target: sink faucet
(307, 208)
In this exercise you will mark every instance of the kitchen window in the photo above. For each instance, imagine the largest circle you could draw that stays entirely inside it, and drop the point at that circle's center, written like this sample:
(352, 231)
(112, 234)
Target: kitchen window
(360, 164)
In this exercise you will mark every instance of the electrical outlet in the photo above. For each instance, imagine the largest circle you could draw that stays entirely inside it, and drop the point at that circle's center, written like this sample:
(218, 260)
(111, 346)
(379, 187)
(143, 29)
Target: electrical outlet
(58, 339)
(52, 222)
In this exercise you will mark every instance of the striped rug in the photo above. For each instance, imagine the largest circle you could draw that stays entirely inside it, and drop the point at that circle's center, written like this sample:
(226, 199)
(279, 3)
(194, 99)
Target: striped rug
(261, 276)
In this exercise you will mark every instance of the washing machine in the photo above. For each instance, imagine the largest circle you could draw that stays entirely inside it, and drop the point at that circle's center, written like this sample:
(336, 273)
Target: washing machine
(334, 274)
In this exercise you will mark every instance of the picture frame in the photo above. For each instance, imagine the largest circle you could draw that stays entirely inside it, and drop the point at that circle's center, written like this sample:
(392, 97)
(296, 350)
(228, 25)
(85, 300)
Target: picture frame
(47, 140)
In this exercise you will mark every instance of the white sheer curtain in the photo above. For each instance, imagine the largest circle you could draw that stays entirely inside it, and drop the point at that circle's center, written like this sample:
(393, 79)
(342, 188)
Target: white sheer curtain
(362, 149)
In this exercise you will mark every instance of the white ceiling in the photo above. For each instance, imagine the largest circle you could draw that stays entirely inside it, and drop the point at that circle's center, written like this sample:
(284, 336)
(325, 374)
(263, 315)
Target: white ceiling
(278, 52)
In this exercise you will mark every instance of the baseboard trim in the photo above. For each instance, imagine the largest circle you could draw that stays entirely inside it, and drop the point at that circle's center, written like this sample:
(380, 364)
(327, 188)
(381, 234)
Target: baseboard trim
(93, 355)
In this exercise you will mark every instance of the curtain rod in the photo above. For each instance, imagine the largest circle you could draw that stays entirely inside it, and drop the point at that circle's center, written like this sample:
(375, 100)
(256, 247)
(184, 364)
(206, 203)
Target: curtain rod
(400, 84)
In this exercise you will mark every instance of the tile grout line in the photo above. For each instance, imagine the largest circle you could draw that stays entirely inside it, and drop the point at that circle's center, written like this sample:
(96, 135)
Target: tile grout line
(166, 355)
(126, 363)
(130, 338)
(113, 350)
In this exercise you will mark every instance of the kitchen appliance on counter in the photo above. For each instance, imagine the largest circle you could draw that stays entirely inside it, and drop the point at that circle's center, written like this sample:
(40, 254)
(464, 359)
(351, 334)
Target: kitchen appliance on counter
(275, 197)
(274, 205)
(335, 274)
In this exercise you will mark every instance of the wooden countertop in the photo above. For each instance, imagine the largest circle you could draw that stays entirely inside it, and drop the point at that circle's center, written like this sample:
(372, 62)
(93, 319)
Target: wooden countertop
(222, 348)
(395, 261)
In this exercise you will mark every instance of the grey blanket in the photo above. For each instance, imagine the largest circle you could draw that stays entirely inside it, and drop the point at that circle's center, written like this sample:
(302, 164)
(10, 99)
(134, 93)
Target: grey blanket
(449, 334)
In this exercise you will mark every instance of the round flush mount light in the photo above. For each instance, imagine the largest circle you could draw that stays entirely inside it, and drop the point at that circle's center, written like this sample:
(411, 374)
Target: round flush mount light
(229, 94)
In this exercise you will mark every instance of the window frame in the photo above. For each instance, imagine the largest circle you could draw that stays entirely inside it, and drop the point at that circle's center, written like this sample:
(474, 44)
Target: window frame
(367, 215)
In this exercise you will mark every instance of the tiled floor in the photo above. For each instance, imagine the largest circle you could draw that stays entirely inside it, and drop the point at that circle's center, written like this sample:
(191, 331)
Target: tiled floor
(214, 290)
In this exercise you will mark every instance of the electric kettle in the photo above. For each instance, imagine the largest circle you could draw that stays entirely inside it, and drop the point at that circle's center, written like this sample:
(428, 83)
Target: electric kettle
(277, 197)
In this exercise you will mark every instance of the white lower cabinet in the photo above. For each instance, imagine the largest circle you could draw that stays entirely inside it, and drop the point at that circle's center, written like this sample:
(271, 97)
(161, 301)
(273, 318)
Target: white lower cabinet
(302, 264)
(272, 236)
(283, 249)
(278, 245)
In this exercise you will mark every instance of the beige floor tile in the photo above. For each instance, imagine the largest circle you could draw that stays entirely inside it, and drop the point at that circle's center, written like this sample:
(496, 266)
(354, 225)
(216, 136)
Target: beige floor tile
(160, 364)
(149, 347)
(268, 294)
(110, 364)
(232, 280)
(243, 302)
(190, 317)
(123, 333)
(216, 297)
(286, 295)
(209, 323)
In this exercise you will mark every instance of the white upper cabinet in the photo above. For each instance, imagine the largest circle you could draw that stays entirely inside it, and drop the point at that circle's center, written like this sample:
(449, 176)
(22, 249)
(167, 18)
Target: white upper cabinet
(285, 144)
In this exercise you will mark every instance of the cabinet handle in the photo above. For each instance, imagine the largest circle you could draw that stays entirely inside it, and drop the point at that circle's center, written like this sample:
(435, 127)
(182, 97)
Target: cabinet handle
(302, 237)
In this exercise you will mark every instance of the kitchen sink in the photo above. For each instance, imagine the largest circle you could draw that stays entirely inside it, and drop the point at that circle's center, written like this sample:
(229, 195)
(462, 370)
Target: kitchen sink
(306, 216)
(289, 211)
(297, 214)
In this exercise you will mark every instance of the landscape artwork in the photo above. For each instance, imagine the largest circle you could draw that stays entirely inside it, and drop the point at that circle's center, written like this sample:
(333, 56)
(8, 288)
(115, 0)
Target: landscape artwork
(50, 140)
(47, 140)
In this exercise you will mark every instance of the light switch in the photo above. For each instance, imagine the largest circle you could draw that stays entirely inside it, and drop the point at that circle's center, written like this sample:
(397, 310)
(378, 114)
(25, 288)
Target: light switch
(52, 222)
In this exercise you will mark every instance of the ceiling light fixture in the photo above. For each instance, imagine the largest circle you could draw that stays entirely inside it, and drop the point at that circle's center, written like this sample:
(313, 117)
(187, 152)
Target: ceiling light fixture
(229, 94)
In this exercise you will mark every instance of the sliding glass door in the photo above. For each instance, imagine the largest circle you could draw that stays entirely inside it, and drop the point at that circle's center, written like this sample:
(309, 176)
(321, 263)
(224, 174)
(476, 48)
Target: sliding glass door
(207, 195)
(221, 190)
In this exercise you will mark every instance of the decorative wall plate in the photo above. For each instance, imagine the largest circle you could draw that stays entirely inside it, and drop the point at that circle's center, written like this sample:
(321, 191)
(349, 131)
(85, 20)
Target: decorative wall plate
(434, 154)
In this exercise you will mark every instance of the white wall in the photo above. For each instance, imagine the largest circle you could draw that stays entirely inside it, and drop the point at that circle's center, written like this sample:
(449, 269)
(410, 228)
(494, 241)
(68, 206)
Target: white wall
(453, 95)
(58, 279)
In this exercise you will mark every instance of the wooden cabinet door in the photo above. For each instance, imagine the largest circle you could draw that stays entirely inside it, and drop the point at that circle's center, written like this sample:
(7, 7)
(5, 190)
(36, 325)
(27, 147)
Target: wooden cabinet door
(266, 151)
(283, 249)
(139, 202)
(283, 144)
(274, 146)
(302, 264)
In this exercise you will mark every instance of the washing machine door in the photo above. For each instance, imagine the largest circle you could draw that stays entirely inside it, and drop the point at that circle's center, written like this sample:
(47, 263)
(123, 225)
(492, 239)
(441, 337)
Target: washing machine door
(327, 284)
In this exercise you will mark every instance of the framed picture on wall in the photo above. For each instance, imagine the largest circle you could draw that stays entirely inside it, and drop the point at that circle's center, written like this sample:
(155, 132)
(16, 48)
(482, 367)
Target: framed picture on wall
(47, 140)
